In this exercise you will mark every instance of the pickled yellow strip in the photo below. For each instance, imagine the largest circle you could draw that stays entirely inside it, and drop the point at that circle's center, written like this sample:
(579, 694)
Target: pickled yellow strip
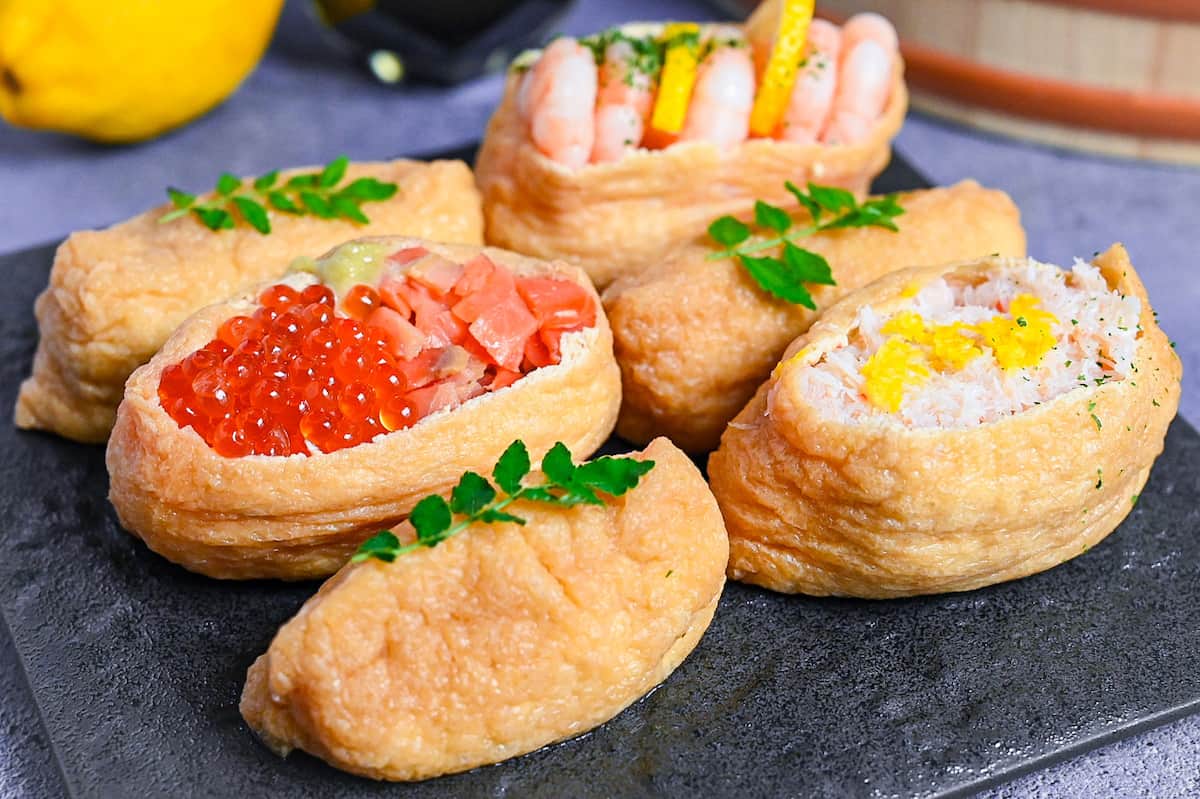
(775, 89)
(678, 76)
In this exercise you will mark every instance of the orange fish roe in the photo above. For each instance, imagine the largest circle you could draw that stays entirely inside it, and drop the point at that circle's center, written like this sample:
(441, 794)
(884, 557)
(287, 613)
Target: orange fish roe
(430, 336)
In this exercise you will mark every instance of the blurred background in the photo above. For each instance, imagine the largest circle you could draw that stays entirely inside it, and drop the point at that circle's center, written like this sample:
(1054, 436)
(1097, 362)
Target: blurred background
(1086, 111)
(380, 78)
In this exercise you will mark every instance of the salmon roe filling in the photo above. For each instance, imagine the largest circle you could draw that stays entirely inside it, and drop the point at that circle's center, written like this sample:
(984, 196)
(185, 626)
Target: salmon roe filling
(306, 370)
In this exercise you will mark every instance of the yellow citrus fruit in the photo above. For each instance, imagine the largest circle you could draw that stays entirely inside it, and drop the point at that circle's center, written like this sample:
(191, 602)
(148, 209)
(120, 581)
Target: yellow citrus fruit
(125, 70)
(776, 87)
(678, 77)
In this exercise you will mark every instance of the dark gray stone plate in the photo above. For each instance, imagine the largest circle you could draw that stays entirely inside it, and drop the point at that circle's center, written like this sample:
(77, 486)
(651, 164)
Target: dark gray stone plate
(136, 665)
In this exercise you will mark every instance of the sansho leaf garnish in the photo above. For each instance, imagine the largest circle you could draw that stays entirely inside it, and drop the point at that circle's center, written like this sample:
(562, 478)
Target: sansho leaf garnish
(475, 499)
(316, 194)
(646, 57)
(784, 275)
(648, 51)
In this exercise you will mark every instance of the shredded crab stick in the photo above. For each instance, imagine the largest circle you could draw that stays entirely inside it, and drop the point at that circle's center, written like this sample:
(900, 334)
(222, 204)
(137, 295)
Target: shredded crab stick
(812, 96)
(966, 354)
(600, 98)
(318, 370)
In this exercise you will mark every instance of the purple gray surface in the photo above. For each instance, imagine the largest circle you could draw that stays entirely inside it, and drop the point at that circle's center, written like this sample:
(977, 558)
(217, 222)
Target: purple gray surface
(306, 104)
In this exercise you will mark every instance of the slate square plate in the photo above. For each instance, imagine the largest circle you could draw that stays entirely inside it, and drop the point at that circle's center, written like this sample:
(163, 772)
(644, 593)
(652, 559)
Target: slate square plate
(136, 665)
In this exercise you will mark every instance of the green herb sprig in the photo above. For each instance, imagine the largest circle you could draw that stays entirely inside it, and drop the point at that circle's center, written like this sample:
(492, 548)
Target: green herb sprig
(785, 276)
(475, 499)
(315, 193)
(647, 56)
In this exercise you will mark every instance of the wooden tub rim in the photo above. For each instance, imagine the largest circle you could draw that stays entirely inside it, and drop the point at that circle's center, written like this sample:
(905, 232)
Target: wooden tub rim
(1147, 115)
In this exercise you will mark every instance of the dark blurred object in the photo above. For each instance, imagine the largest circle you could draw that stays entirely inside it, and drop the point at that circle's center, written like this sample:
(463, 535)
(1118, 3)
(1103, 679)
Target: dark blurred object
(445, 41)
(735, 9)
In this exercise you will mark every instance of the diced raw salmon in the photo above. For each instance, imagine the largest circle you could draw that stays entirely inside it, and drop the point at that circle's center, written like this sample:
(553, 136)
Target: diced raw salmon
(475, 274)
(477, 351)
(503, 378)
(559, 304)
(459, 331)
(536, 353)
(404, 338)
(431, 316)
(442, 328)
(389, 292)
(497, 288)
(419, 298)
(433, 398)
(419, 371)
(552, 338)
(503, 329)
(436, 273)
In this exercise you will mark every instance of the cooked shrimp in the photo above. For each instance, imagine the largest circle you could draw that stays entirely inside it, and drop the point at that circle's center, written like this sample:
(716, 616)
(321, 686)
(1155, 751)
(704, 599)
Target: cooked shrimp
(869, 27)
(864, 83)
(812, 96)
(619, 129)
(623, 104)
(621, 82)
(864, 77)
(560, 98)
(722, 98)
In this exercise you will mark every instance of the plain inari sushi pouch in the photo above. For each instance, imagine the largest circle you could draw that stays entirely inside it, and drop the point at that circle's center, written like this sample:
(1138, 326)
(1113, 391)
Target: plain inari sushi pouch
(115, 295)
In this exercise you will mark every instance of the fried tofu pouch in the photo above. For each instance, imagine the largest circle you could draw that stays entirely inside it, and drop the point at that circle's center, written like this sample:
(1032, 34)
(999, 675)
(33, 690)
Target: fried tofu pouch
(623, 217)
(300, 517)
(695, 337)
(501, 640)
(116, 294)
(877, 510)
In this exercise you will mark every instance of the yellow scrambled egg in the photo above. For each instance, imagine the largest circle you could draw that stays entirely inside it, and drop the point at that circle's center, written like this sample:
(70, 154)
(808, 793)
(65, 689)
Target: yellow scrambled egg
(915, 349)
(1020, 340)
(896, 366)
